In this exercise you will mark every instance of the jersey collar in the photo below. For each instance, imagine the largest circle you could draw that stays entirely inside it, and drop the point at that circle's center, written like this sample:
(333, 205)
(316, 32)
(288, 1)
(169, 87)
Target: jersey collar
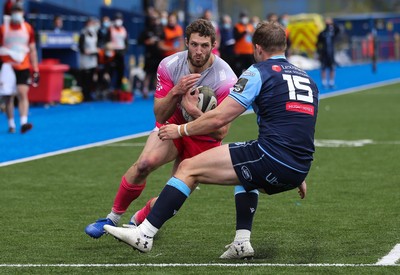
(278, 57)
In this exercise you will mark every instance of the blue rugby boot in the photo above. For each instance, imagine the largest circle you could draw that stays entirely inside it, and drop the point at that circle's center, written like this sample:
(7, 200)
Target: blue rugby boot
(96, 230)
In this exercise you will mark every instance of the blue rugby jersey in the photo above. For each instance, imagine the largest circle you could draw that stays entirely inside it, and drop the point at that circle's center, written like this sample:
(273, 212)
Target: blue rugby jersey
(285, 100)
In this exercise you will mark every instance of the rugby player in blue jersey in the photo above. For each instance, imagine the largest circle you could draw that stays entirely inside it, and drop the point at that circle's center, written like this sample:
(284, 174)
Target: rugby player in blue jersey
(285, 100)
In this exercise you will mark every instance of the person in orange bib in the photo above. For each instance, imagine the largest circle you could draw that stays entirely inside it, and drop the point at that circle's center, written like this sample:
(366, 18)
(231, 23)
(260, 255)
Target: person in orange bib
(18, 51)
(243, 33)
(173, 37)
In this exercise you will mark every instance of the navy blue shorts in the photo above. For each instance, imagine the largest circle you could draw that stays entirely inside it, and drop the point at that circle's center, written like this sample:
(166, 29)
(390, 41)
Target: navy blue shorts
(256, 170)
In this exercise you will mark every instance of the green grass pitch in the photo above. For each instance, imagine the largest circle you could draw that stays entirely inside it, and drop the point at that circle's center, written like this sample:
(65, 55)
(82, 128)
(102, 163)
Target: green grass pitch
(350, 215)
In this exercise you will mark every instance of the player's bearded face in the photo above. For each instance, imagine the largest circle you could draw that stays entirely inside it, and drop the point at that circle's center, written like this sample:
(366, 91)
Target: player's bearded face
(199, 50)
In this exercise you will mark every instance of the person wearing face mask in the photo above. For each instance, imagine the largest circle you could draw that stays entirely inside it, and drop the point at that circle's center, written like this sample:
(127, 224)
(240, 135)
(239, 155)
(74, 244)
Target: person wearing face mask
(19, 57)
(105, 56)
(102, 33)
(173, 37)
(227, 40)
(243, 33)
(118, 38)
(88, 58)
(164, 18)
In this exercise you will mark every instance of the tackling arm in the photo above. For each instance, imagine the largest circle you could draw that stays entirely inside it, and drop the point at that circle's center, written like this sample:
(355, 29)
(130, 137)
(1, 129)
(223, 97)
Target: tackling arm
(210, 122)
(189, 102)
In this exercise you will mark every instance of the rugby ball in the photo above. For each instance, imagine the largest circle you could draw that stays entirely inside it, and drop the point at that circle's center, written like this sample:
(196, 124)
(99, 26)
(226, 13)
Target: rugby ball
(207, 101)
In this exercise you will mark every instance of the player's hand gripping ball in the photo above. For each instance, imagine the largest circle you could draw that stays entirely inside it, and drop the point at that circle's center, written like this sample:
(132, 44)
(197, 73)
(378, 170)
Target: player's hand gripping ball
(206, 102)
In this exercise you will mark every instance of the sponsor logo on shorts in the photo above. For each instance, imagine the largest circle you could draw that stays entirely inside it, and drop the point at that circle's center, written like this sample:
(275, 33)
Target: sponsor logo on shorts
(240, 85)
(273, 180)
(246, 173)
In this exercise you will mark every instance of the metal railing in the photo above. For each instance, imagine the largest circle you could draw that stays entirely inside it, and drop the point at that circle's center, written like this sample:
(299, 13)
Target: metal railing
(362, 49)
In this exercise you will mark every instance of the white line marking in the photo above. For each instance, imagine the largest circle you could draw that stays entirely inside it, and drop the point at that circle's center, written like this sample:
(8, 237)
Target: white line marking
(192, 265)
(350, 143)
(77, 148)
(342, 143)
(392, 257)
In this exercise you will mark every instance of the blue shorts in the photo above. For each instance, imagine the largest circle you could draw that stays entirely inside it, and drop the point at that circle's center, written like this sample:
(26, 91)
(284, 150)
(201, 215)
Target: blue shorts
(256, 170)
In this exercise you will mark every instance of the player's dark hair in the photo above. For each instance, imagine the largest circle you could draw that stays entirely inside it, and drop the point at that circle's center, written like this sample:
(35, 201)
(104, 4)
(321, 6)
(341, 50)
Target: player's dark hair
(270, 36)
(203, 28)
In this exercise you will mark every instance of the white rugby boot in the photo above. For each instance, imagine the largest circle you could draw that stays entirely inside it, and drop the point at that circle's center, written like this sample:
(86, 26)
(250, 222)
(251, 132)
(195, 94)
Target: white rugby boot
(238, 250)
(132, 237)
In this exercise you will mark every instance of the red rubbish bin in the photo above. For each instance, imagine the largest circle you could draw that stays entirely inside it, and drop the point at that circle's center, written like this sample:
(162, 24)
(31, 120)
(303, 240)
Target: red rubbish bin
(51, 83)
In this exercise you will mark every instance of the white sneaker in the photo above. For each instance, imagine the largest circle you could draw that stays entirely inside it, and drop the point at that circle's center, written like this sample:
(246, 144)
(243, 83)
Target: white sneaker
(131, 236)
(238, 250)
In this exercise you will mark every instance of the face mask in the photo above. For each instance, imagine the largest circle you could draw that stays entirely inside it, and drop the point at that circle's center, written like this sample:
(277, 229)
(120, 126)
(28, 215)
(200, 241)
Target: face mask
(163, 21)
(245, 20)
(92, 29)
(96, 27)
(106, 24)
(118, 22)
(17, 17)
(227, 25)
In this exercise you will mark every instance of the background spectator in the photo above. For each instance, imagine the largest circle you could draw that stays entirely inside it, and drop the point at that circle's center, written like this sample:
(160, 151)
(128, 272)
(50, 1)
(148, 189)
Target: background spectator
(105, 25)
(17, 40)
(243, 32)
(208, 15)
(164, 18)
(326, 52)
(118, 37)
(173, 36)
(227, 41)
(254, 21)
(273, 17)
(150, 38)
(88, 58)
(105, 56)
(57, 24)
